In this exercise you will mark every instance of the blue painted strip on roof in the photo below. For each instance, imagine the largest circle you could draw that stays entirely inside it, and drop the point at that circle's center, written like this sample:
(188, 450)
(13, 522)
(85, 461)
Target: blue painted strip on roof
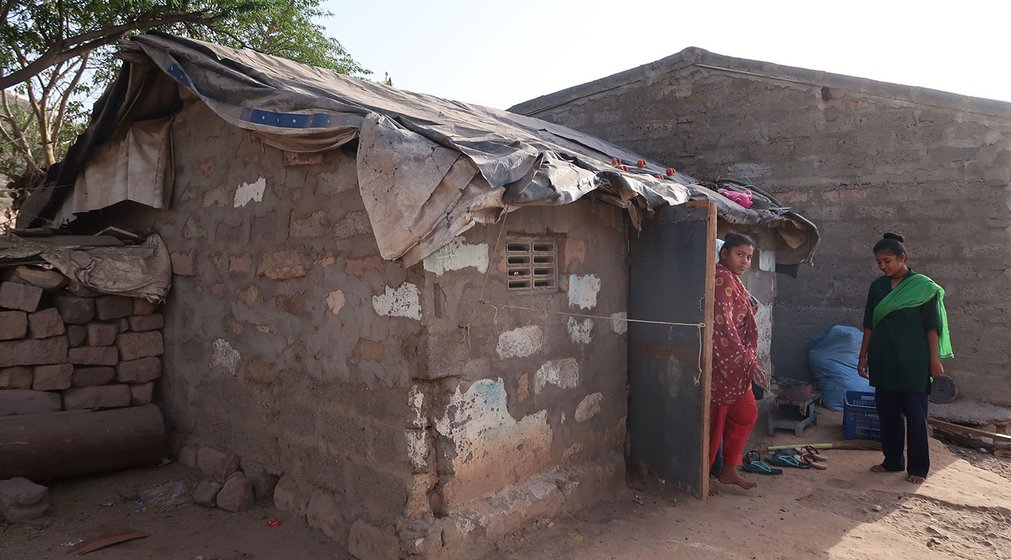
(180, 75)
(285, 120)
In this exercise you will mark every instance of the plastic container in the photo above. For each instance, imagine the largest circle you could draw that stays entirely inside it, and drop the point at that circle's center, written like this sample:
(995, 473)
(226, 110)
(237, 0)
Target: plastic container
(860, 416)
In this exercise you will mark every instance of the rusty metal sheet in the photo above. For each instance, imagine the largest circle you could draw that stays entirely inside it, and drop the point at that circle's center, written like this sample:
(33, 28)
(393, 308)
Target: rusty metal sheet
(669, 280)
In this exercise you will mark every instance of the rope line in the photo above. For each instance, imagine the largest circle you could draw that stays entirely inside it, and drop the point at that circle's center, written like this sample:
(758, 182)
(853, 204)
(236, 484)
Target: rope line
(496, 306)
(698, 326)
(586, 316)
(487, 275)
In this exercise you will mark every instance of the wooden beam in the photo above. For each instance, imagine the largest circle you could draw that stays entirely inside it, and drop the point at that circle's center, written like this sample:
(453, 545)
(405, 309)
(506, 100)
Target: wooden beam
(707, 342)
(44, 446)
(967, 430)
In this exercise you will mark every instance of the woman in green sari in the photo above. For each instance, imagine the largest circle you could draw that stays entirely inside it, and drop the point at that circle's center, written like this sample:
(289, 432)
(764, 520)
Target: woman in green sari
(905, 337)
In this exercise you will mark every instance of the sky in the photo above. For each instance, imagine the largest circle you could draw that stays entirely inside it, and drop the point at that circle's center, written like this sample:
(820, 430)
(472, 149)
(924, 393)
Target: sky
(499, 53)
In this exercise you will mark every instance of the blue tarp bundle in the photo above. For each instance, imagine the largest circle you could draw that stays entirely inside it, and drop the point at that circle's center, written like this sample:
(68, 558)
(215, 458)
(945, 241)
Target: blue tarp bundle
(832, 356)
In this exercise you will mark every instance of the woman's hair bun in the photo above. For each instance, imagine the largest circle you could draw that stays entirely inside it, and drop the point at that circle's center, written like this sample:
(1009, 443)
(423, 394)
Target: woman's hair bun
(895, 236)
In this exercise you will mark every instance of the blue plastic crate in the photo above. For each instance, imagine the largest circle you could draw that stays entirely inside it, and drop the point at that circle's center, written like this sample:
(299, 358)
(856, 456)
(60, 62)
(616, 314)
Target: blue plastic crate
(860, 416)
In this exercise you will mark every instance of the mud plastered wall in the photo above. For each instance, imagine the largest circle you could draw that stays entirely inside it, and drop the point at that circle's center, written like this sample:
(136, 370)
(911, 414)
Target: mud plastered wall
(858, 158)
(404, 417)
(282, 345)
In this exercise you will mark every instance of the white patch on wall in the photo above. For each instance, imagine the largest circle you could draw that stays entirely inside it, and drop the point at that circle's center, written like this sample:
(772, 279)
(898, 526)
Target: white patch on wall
(417, 449)
(583, 291)
(589, 407)
(404, 301)
(247, 192)
(581, 332)
(520, 343)
(416, 401)
(458, 255)
(767, 260)
(493, 449)
(222, 354)
(335, 301)
(619, 322)
(764, 320)
(563, 373)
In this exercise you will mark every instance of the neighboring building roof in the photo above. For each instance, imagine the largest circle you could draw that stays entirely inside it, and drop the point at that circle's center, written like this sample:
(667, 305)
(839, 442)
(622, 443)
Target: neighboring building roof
(694, 56)
(428, 168)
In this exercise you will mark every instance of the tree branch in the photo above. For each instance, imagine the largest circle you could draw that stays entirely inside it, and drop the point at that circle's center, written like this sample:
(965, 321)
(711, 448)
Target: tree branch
(40, 118)
(7, 10)
(32, 101)
(71, 47)
(61, 113)
(19, 139)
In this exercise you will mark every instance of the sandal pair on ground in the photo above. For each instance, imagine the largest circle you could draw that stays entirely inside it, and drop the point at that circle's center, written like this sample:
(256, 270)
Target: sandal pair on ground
(753, 463)
(801, 458)
(794, 459)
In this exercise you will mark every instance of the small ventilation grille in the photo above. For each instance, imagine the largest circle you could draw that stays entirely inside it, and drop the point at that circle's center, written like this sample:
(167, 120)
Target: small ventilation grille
(532, 265)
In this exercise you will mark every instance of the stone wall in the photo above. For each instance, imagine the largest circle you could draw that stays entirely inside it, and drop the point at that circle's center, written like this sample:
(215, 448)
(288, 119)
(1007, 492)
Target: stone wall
(71, 349)
(858, 158)
(383, 398)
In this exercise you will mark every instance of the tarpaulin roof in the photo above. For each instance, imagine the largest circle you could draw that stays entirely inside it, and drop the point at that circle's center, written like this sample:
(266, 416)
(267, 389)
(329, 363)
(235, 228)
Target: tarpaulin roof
(142, 270)
(428, 168)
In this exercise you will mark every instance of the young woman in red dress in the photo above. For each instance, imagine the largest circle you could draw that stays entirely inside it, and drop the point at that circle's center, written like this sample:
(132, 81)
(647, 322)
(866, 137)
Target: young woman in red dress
(733, 411)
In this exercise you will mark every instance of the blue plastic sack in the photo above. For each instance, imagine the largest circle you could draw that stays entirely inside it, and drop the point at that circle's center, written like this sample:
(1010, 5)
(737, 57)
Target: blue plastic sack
(832, 356)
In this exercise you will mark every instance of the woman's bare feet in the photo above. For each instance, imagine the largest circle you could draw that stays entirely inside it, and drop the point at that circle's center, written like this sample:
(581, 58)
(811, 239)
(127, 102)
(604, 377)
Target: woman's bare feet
(731, 475)
(915, 479)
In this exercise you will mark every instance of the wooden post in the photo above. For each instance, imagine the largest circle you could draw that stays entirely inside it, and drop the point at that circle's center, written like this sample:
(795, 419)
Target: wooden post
(45, 446)
(707, 338)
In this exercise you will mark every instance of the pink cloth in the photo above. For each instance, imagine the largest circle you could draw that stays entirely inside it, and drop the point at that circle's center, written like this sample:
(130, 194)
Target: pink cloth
(744, 199)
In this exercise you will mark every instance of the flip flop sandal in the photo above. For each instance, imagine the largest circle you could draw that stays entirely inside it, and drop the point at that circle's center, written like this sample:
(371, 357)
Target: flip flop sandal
(753, 463)
(787, 461)
(811, 460)
(817, 455)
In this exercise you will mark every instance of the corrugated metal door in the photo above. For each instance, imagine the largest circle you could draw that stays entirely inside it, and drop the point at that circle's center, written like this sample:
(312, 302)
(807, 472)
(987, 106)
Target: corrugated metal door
(671, 280)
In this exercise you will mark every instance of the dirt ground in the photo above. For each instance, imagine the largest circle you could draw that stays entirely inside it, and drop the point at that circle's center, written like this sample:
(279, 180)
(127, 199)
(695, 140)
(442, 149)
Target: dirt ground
(844, 512)
(95, 506)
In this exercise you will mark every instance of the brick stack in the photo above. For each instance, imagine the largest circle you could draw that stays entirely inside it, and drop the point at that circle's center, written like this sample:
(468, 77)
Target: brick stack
(69, 349)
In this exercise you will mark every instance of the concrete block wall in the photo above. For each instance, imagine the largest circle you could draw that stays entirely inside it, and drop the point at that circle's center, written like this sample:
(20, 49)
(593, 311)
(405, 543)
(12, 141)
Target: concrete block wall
(858, 158)
(73, 349)
(275, 351)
